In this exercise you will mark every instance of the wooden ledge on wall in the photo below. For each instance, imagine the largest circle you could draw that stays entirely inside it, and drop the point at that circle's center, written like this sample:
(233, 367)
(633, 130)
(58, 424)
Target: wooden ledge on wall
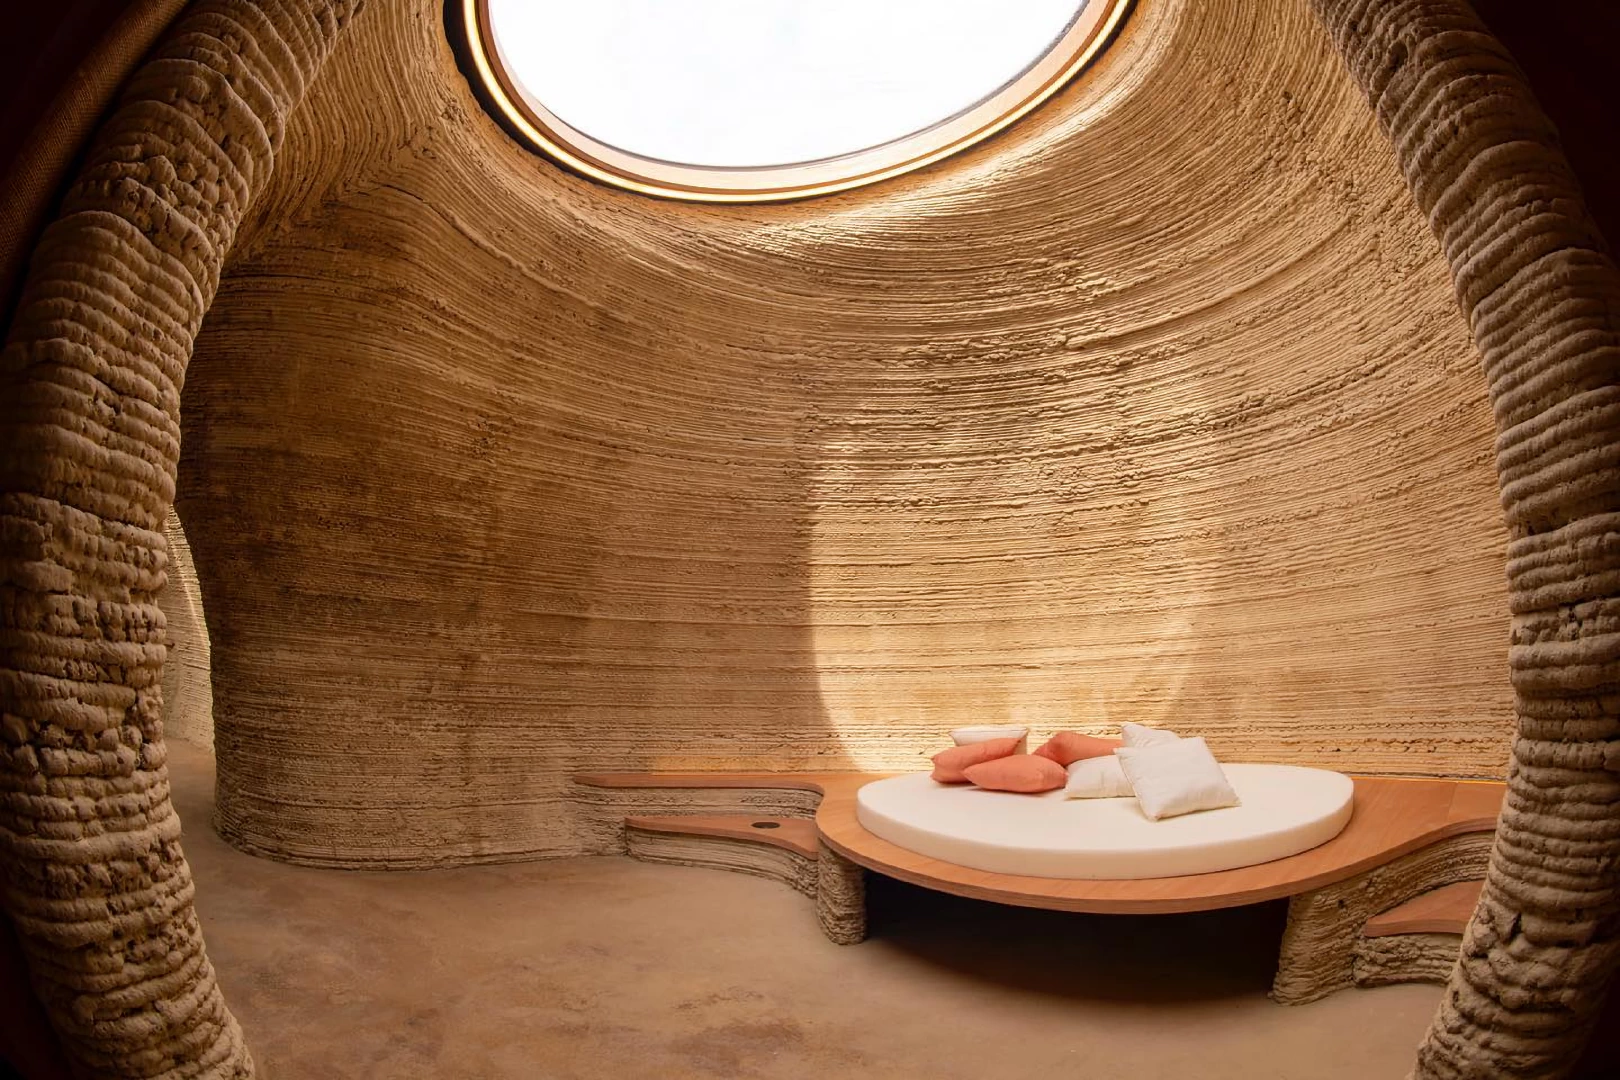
(1394, 816)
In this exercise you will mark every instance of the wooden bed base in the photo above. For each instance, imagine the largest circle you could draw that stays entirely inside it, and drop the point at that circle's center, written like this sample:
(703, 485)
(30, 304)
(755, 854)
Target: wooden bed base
(1384, 901)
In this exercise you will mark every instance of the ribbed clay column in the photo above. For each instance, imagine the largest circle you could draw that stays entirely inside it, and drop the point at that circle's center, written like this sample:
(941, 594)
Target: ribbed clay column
(89, 439)
(1543, 300)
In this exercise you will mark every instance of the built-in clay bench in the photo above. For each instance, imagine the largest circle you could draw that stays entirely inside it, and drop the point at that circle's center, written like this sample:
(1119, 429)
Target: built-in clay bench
(1384, 901)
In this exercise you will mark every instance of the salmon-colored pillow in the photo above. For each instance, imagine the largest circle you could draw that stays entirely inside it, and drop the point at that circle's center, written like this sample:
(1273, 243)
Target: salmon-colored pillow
(1024, 773)
(1068, 747)
(949, 764)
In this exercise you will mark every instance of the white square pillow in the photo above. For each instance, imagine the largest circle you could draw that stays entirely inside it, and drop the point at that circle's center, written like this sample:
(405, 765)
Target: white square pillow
(964, 736)
(1141, 735)
(1097, 778)
(1174, 778)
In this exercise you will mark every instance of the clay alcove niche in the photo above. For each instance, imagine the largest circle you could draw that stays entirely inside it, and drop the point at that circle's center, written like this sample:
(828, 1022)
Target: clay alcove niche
(361, 376)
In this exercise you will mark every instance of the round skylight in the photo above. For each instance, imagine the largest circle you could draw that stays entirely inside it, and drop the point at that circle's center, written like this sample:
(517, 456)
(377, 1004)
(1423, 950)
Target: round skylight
(770, 99)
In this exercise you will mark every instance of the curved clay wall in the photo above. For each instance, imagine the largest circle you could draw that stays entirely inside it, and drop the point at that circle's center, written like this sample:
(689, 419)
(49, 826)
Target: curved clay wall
(1156, 408)
(94, 878)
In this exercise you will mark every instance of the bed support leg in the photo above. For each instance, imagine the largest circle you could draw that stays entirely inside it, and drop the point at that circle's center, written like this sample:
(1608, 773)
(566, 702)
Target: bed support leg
(1319, 944)
(840, 898)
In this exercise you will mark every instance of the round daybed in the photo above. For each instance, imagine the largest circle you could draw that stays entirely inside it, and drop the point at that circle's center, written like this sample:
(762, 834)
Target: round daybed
(1285, 810)
(1411, 856)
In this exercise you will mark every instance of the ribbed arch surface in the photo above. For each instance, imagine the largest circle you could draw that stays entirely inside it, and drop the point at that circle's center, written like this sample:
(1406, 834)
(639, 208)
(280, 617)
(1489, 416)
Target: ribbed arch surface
(1542, 296)
(95, 880)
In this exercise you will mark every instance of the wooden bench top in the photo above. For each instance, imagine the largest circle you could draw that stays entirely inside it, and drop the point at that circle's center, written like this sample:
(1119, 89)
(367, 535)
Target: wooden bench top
(1393, 816)
(1445, 910)
(797, 835)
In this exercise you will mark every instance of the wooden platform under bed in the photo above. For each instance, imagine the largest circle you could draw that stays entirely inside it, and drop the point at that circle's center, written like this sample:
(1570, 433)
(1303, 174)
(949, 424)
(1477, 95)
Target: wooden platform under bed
(1384, 901)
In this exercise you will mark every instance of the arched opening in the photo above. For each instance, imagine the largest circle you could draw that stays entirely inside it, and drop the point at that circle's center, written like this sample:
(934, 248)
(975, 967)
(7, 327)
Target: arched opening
(1549, 676)
(188, 693)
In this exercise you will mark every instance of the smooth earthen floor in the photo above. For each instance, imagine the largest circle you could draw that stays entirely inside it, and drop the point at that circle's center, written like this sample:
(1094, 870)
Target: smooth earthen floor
(605, 967)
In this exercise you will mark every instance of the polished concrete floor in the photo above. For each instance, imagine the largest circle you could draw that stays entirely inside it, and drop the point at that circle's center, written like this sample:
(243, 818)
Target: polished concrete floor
(606, 967)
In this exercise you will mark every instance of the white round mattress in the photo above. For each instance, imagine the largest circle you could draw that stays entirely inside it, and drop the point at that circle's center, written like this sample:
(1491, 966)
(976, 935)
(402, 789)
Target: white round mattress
(1286, 809)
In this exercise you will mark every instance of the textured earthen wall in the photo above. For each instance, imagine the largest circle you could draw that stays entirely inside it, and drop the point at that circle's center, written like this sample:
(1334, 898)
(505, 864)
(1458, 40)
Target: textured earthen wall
(1157, 408)
(91, 870)
(1541, 294)
(188, 698)
(93, 875)
(50, 112)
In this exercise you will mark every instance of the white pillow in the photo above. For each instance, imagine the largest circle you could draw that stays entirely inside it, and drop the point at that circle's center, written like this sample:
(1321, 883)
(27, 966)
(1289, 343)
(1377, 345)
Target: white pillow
(963, 736)
(1141, 735)
(1097, 778)
(1174, 778)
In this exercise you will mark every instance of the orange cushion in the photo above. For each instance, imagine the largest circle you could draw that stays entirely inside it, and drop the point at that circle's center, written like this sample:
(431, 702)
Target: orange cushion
(948, 764)
(1020, 772)
(1068, 747)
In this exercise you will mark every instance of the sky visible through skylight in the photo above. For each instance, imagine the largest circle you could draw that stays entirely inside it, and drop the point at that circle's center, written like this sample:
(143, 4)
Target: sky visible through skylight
(751, 83)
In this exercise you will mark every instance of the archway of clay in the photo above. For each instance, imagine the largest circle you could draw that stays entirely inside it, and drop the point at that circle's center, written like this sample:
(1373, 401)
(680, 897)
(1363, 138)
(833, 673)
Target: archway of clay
(120, 283)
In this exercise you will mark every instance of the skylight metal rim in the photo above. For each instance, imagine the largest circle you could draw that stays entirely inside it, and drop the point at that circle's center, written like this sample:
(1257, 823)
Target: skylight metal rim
(553, 137)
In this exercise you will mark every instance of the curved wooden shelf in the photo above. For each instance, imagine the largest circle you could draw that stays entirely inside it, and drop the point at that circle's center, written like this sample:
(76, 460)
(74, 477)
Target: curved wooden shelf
(1393, 816)
(820, 783)
(1445, 910)
(797, 835)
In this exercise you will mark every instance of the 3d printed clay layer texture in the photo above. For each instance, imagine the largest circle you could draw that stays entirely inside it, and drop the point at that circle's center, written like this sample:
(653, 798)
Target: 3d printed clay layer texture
(1542, 296)
(94, 878)
(1156, 408)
